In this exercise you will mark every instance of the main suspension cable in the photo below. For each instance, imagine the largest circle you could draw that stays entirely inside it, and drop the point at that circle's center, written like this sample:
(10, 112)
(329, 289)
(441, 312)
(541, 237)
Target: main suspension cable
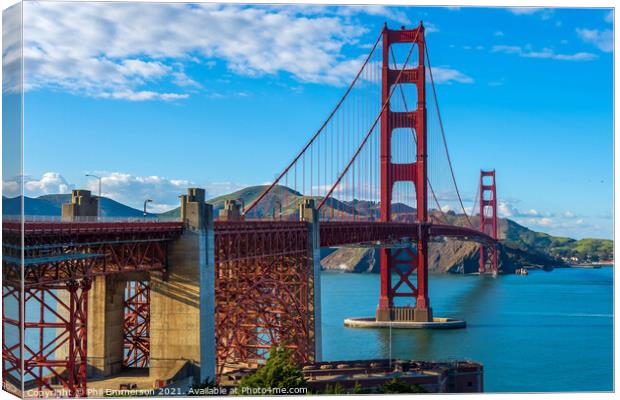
(303, 150)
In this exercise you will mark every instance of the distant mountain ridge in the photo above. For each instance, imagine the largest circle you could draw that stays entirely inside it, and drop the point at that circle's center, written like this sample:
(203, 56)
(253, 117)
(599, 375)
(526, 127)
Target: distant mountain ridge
(50, 205)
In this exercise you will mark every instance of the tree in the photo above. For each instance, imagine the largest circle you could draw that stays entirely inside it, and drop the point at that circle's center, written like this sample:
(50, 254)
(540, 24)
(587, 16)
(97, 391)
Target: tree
(396, 386)
(336, 389)
(357, 389)
(280, 371)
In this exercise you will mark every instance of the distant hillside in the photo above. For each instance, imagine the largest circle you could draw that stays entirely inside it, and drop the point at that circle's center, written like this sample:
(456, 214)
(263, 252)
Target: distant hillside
(281, 196)
(12, 206)
(286, 201)
(51, 205)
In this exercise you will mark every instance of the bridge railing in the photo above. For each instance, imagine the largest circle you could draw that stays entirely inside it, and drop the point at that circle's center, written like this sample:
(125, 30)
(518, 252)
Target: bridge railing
(57, 218)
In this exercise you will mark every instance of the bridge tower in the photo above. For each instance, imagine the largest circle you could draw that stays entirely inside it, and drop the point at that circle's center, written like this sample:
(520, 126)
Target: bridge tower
(404, 262)
(488, 218)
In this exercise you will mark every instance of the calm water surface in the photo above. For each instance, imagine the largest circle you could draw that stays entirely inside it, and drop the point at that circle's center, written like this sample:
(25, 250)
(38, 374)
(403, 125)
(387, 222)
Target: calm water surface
(548, 331)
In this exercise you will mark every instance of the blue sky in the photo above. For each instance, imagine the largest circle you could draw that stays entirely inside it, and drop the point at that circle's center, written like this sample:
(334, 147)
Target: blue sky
(158, 97)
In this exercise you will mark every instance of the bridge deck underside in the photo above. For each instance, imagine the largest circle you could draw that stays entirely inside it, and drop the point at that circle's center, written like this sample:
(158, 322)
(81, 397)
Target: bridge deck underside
(60, 252)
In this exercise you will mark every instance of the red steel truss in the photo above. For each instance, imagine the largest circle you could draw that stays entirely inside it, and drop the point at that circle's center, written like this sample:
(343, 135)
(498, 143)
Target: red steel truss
(264, 291)
(59, 261)
(11, 338)
(55, 353)
(136, 324)
(62, 251)
(488, 219)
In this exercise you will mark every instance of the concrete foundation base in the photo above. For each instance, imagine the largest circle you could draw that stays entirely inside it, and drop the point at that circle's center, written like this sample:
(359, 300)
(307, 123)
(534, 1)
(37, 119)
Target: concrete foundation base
(437, 323)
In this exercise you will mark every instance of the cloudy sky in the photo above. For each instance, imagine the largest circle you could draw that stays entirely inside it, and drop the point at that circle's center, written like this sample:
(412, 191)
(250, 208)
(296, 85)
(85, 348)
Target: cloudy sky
(159, 97)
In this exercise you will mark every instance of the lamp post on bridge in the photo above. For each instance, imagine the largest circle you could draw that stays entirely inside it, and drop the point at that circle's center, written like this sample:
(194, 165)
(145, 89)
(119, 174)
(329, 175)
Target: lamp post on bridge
(99, 196)
(145, 202)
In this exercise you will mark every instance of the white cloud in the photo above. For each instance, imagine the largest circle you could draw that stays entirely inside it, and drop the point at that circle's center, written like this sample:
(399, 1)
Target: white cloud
(143, 69)
(450, 75)
(11, 187)
(498, 34)
(120, 50)
(565, 223)
(391, 13)
(141, 95)
(610, 17)
(544, 13)
(508, 210)
(603, 40)
(126, 188)
(49, 183)
(11, 50)
(524, 10)
(545, 53)
(132, 190)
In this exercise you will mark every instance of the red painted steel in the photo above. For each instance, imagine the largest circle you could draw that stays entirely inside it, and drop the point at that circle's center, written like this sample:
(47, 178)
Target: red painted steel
(136, 325)
(488, 219)
(264, 291)
(55, 354)
(59, 261)
(11, 338)
(58, 252)
(413, 172)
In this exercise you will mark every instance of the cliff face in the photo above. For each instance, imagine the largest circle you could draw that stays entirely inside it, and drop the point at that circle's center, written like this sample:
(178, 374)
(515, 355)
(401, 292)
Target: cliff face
(449, 256)
(350, 259)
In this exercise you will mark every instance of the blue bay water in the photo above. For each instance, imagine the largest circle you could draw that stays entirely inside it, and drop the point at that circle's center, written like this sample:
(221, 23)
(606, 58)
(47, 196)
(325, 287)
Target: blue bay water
(548, 331)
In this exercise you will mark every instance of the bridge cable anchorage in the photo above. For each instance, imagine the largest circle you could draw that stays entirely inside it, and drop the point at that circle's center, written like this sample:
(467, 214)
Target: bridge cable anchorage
(318, 132)
(443, 135)
(430, 186)
(387, 101)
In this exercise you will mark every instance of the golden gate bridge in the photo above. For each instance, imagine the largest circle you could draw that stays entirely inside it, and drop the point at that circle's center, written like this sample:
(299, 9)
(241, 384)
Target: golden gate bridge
(248, 279)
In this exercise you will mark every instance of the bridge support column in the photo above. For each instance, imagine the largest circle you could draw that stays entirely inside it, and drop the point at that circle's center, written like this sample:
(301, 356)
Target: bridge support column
(309, 214)
(105, 326)
(423, 312)
(488, 219)
(404, 263)
(183, 298)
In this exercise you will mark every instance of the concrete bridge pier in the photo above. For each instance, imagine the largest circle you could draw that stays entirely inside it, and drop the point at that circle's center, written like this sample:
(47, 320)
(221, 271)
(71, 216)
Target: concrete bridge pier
(83, 204)
(309, 213)
(183, 299)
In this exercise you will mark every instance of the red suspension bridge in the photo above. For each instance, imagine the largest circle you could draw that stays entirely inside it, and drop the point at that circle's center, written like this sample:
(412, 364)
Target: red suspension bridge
(376, 173)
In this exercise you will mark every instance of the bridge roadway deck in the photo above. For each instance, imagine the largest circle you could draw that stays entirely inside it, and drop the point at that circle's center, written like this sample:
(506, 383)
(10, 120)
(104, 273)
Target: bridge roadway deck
(57, 251)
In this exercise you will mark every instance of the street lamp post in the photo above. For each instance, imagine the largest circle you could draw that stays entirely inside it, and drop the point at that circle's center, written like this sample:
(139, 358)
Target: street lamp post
(146, 201)
(99, 199)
